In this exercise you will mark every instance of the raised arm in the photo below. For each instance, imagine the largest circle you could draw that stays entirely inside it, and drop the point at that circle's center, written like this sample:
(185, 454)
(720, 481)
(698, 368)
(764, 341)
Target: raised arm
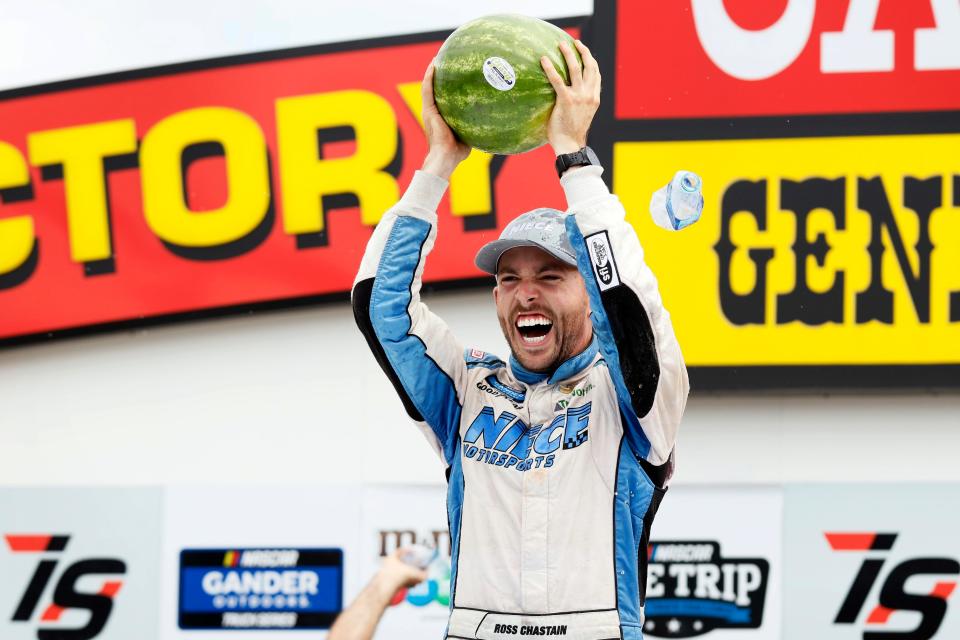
(359, 620)
(412, 345)
(631, 324)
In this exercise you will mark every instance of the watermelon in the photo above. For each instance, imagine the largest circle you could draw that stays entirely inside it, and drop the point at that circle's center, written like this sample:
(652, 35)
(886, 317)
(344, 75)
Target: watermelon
(489, 85)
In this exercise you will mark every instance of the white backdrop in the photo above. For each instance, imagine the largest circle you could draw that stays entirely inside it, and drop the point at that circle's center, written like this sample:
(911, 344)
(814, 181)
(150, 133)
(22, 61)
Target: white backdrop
(295, 397)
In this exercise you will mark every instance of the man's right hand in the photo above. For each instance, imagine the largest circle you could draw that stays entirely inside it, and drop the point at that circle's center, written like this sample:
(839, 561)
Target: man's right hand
(395, 574)
(445, 151)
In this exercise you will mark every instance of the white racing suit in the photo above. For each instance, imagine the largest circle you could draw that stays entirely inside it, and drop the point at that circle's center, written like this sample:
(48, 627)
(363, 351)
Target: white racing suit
(553, 480)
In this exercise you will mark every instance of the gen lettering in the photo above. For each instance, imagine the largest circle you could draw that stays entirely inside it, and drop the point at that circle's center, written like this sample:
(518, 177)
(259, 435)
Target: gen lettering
(506, 460)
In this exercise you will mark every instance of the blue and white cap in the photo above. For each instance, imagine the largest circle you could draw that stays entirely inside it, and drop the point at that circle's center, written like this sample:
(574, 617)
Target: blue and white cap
(542, 228)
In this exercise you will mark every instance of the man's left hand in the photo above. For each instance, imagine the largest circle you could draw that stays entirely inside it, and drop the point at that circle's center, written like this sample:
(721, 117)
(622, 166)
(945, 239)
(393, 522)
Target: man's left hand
(577, 103)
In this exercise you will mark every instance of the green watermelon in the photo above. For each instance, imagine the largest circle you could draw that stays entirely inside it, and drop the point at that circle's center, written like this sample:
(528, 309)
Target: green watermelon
(489, 85)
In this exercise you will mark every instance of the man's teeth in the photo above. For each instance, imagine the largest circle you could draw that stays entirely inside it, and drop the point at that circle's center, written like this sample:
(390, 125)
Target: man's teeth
(533, 322)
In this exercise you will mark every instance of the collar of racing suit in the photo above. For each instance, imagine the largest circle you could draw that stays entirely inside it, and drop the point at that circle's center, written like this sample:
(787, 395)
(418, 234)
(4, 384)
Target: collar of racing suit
(567, 369)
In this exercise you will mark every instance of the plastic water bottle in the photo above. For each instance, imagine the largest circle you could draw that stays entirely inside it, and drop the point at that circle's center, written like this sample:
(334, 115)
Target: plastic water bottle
(420, 556)
(679, 203)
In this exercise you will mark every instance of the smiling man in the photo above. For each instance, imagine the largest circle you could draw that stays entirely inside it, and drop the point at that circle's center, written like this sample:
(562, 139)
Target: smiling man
(541, 299)
(556, 459)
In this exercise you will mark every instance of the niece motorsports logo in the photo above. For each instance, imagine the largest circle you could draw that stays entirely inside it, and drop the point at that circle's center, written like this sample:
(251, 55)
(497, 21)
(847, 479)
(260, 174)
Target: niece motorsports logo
(692, 589)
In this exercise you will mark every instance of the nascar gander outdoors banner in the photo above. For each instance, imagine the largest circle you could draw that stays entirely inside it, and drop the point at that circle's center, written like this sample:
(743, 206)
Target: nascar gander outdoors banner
(260, 588)
(272, 561)
(825, 132)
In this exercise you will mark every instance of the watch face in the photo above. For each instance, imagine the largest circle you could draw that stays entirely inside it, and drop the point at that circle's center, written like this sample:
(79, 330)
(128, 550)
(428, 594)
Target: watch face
(591, 156)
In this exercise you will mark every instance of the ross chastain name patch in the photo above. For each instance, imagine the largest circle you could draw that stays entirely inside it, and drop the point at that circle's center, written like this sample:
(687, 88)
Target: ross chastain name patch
(531, 629)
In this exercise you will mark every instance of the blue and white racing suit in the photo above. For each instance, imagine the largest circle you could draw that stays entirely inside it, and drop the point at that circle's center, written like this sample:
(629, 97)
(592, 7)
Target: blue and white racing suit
(553, 480)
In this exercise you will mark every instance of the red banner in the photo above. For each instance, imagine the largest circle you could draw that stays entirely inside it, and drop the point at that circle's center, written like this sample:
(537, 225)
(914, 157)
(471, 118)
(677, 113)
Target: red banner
(227, 183)
(718, 58)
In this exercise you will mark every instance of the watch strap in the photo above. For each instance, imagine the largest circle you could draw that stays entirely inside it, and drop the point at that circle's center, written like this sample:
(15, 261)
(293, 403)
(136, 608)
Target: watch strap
(576, 159)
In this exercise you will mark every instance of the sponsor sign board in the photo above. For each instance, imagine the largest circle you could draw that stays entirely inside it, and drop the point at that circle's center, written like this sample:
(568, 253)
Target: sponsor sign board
(77, 564)
(225, 183)
(260, 588)
(707, 573)
(398, 516)
(840, 250)
(871, 562)
(723, 58)
(693, 589)
(266, 559)
(853, 99)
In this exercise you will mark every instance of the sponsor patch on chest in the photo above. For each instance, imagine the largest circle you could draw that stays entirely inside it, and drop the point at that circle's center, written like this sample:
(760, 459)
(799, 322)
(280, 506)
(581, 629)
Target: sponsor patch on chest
(506, 441)
(496, 388)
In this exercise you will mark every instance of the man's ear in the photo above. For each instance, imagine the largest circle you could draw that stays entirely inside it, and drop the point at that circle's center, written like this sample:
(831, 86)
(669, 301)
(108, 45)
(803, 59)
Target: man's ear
(496, 294)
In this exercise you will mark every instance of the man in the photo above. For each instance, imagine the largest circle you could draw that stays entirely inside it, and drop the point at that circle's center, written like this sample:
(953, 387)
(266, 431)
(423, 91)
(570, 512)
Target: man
(556, 460)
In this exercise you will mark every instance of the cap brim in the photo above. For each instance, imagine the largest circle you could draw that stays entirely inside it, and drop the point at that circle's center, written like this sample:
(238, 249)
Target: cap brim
(489, 255)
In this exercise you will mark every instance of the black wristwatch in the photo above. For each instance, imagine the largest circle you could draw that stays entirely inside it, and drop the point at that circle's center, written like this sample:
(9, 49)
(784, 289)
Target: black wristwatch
(581, 158)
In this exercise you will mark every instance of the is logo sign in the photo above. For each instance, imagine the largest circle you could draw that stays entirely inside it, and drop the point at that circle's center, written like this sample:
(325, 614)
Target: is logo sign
(894, 597)
(692, 589)
(65, 594)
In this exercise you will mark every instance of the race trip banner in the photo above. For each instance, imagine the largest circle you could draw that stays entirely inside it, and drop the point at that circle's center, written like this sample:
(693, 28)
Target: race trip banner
(692, 589)
(707, 574)
(828, 253)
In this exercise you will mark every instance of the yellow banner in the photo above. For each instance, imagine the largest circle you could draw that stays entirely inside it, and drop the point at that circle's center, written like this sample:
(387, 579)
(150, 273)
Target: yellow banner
(830, 251)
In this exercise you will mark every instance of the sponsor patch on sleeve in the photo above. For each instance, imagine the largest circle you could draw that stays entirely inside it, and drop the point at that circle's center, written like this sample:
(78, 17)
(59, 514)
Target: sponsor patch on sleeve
(601, 258)
(478, 358)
